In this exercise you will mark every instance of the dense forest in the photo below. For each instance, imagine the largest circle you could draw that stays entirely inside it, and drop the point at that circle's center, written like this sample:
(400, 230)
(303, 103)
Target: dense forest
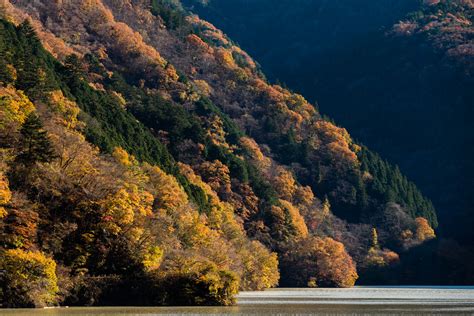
(397, 74)
(146, 160)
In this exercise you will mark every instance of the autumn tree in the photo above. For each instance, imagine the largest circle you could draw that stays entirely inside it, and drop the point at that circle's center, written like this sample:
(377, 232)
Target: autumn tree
(376, 256)
(303, 196)
(423, 230)
(245, 201)
(216, 132)
(284, 183)
(260, 268)
(123, 157)
(169, 194)
(201, 283)
(124, 207)
(317, 262)
(5, 194)
(28, 279)
(14, 109)
(20, 224)
(216, 174)
(296, 220)
(255, 153)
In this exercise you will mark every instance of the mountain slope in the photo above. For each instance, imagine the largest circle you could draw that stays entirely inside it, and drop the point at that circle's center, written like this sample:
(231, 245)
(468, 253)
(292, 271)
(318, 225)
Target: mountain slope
(165, 169)
(397, 74)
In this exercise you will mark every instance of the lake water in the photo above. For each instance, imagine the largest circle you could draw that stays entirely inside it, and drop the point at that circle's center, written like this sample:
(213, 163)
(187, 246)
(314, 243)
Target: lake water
(353, 301)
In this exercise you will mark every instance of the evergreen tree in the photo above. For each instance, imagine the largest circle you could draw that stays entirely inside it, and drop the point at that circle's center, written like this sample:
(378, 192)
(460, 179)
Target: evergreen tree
(6, 75)
(362, 197)
(73, 72)
(290, 149)
(29, 78)
(36, 146)
(29, 34)
(170, 11)
(34, 75)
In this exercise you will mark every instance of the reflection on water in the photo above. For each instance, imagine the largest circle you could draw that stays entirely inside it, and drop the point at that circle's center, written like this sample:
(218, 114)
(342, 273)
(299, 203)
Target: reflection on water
(354, 301)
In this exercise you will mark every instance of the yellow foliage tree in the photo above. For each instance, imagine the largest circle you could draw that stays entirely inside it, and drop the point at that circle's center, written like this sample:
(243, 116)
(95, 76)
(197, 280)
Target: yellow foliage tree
(5, 194)
(203, 87)
(260, 268)
(380, 258)
(122, 208)
(28, 279)
(196, 42)
(123, 158)
(14, 108)
(284, 183)
(375, 239)
(65, 107)
(255, 153)
(169, 195)
(152, 258)
(216, 131)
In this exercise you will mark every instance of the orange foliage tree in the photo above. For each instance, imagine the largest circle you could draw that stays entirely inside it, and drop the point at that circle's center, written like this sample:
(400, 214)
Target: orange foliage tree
(216, 174)
(20, 224)
(318, 261)
(423, 229)
(284, 183)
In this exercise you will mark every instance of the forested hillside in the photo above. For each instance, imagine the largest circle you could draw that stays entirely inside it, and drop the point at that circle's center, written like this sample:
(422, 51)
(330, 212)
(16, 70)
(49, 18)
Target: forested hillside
(145, 160)
(397, 74)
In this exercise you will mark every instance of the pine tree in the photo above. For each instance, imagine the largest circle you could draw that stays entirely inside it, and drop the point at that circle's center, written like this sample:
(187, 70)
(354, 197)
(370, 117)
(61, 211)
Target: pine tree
(29, 33)
(36, 146)
(73, 68)
(6, 75)
(362, 197)
(29, 78)
(34, 74)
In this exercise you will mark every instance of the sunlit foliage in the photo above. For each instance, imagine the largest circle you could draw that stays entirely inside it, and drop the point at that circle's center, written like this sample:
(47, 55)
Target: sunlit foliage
(318, 262)
(5, 195)
(423, 229)
(28, 279)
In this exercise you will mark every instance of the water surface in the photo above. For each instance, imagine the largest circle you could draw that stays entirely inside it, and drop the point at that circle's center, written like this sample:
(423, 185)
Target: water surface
(354, 301)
